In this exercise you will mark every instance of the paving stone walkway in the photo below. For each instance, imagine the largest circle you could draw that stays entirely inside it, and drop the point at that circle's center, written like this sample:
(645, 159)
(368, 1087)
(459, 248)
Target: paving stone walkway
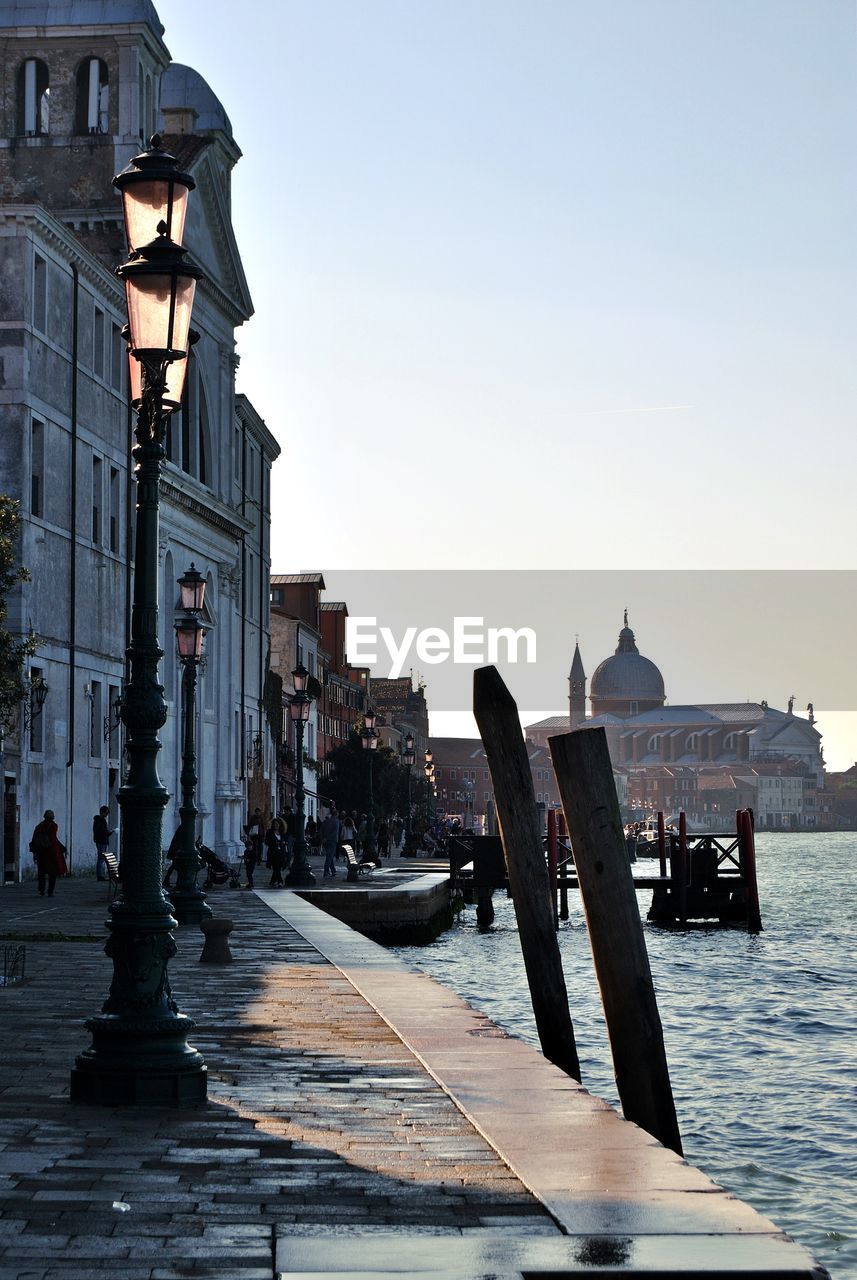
(319, 1119)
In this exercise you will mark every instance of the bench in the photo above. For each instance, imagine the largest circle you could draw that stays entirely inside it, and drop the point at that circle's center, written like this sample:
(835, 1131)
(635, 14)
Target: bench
(356, 869)
(112, 874)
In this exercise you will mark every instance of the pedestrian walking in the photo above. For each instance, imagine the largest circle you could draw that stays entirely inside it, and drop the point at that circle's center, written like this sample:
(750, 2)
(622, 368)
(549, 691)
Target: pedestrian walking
(101, 834)
(348, 831)
(291, 827)
(275, 846)
(382, 840)
(254, 834)
(49, 853)
(330, 831)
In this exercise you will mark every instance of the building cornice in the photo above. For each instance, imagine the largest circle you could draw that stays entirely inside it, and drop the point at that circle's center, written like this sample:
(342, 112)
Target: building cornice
(207, 509)
(249, 417)
(63, 240)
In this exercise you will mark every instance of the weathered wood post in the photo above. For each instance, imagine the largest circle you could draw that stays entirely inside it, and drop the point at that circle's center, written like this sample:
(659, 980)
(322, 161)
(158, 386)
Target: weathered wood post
(585, 777)
(552, 864)
(500, 727)
(748, 860)
(662, 843)
(679, 869)
(562, 830)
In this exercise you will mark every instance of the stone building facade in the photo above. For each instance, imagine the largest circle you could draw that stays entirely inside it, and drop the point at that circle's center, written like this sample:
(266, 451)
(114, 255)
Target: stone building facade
(84, 82)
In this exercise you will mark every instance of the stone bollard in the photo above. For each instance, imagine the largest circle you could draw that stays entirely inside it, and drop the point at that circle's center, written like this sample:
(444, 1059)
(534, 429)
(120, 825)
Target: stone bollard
(216, 949)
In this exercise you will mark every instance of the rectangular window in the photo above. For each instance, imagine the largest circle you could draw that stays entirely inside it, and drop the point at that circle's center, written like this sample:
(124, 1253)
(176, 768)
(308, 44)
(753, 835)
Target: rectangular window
(40, 294)
(96, 499)
(114, 509)
(37, 468)
(37, 727)
(117, 357)
(98, 343)
(96, 713)
(452, 775)
(113, 722)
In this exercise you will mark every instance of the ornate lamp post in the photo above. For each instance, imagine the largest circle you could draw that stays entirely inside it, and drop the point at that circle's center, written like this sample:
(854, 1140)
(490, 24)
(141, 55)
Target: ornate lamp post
(188, 899)
(139, 1053)
(300, 872)
(369, 738)
(408, 758)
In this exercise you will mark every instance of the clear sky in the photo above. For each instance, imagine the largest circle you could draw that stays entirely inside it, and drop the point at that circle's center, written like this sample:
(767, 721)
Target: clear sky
(547, 283)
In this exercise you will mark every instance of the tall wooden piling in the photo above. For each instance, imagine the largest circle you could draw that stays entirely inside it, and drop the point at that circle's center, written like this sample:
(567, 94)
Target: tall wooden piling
(562, 832)
(500, 727)
(680, 869)
(662, 844)
(553, 859)
(585, 777)
(747, 845)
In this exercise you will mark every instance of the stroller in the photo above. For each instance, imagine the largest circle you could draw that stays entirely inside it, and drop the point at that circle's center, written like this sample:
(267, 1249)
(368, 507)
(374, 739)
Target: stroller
(217, 871)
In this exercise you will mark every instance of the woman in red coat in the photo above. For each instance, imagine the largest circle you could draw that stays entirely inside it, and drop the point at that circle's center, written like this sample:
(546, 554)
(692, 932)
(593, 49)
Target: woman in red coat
(48, 853)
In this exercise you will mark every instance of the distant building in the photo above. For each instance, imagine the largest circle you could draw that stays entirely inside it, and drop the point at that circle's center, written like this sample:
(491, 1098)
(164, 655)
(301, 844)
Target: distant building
(403, 707)
(463, 778)
(343, 697)
(665, 750)
(296, 641)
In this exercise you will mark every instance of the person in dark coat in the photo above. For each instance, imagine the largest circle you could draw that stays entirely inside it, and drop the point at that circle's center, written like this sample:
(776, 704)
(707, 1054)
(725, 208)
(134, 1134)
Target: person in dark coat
(101, 834)
(275, 847)
(382, 840)
(48, 852)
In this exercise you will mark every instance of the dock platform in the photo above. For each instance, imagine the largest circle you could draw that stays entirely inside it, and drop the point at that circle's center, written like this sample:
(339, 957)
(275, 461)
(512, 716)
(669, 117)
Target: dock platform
(362, 1121)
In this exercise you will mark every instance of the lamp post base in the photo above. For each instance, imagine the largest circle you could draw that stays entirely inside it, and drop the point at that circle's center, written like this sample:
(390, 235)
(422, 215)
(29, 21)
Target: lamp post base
(149, 1064)
(189, 905)
(300, 877)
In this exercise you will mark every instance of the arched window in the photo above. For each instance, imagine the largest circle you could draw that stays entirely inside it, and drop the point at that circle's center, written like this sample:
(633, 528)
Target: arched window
(92, 98)
(692, 743)
(141, 103)
(34, 98)
(654, 742)
(730, 742)
(148, 114)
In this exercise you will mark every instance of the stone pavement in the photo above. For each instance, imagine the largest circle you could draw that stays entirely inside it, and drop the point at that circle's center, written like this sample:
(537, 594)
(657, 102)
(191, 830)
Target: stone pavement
(319, 1119)
(362, 1121)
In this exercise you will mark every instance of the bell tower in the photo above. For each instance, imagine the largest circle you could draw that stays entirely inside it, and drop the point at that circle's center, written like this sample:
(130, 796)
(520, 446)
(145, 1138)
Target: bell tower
(576, 690)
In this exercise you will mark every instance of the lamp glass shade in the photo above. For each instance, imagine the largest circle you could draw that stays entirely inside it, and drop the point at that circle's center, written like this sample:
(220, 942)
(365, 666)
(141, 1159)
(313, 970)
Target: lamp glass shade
(150, 201)
(408, 759)
(299, 708)
(192, 588)
(189, 634)
(299, 676)
(369, 718)
(429, 756)
(159, 310)
(409, 742)
(373, 742)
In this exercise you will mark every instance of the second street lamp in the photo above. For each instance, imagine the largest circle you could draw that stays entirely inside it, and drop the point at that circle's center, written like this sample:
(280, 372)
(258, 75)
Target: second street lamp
(300, 872)
(369, 738)
(188, 899)
(408, 758)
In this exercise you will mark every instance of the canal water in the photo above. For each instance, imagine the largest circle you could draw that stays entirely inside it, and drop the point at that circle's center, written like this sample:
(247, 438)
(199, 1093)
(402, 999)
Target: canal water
(761, 1032)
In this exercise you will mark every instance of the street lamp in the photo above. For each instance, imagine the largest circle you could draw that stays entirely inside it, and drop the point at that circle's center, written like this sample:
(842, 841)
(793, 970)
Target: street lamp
(408, 758)
(188, 899)
(300, 872)
(369, 738)
(428, 770)
(139, 1053)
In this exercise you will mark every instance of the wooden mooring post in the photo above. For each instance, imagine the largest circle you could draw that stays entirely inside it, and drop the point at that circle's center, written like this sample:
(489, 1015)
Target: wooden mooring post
(584, 774)
(553, 859)
(500, 728)
(563, 882)
(662, 844)
(747, 854)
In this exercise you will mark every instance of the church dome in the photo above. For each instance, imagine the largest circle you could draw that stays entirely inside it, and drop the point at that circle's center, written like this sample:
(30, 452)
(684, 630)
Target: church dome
(627, 674)
(183, 87)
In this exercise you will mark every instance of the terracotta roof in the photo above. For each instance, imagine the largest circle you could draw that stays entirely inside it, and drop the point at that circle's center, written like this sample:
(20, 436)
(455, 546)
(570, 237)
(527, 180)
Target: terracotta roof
(289, 579)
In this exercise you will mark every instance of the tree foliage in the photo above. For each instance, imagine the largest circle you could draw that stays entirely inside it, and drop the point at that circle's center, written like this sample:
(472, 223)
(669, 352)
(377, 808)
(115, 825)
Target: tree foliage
(348, 785)
(13, 649)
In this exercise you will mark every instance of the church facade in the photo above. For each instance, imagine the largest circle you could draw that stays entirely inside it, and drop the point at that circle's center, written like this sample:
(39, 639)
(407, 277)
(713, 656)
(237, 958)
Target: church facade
(679, 752)
(85, 85)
